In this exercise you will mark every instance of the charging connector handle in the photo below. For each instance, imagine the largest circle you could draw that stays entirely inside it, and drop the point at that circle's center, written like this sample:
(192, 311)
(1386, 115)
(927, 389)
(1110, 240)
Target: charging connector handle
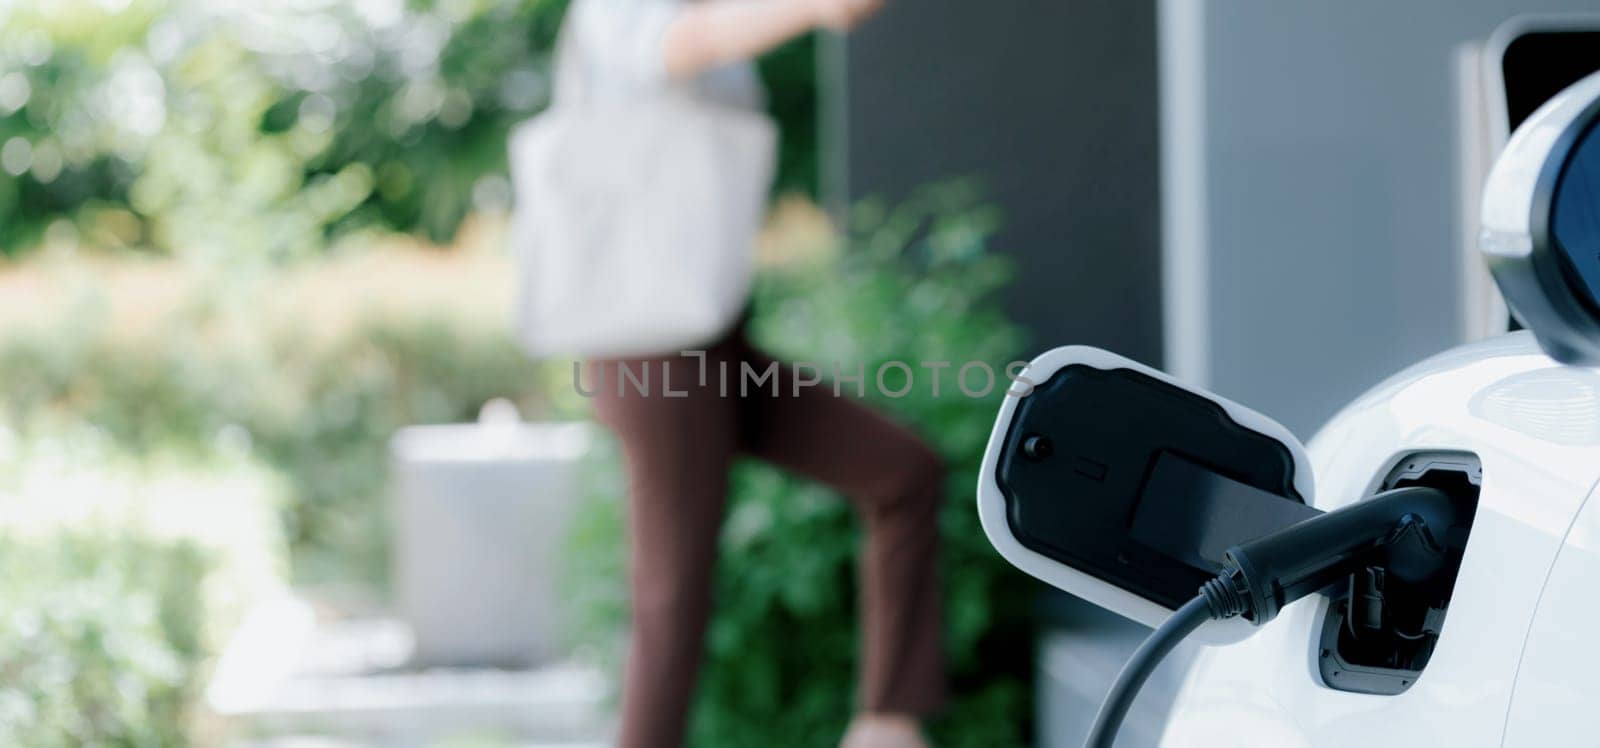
(1402, 530)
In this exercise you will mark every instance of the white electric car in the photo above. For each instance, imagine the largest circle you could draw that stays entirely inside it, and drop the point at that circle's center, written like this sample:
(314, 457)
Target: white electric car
(1427, 572)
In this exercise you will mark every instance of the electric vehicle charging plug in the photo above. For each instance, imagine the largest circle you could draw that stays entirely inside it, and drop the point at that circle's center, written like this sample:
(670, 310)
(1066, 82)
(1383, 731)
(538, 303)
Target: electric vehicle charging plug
(1400, 531)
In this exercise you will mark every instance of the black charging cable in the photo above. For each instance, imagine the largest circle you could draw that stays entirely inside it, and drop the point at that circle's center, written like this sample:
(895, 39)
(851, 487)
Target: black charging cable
(1402, 530)
(1139, 667)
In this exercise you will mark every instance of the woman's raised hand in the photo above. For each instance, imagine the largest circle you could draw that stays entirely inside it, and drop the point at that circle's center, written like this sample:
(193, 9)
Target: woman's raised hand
(716, 32)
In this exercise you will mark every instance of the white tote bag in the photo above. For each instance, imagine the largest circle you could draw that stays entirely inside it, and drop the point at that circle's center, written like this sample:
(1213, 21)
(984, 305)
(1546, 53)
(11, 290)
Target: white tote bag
(635, 218)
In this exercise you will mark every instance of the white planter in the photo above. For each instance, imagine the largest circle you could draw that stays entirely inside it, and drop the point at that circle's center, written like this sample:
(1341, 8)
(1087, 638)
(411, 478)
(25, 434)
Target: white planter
(481, 512)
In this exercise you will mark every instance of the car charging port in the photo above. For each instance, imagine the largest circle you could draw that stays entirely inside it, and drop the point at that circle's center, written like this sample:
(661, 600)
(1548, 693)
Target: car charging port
(1379, 635)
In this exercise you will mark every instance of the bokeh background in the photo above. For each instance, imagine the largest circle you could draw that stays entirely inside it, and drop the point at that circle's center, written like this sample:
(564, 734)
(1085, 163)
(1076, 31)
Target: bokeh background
(246, 244)
(252, 256)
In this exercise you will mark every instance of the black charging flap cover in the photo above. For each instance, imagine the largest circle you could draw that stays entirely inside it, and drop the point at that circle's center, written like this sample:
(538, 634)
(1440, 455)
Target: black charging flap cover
(1121, 485)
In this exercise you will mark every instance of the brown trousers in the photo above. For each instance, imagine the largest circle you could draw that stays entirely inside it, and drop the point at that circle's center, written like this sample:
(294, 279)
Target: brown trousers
(679, 440)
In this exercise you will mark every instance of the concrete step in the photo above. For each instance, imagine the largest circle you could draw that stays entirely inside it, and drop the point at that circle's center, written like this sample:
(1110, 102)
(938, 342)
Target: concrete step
(292, 678)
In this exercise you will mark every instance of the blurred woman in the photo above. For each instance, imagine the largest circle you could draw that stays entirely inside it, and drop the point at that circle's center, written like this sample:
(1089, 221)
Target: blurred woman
(679, 445)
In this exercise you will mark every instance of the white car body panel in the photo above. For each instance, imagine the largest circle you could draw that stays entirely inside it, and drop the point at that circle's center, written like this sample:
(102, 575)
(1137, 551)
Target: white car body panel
(1517, 660)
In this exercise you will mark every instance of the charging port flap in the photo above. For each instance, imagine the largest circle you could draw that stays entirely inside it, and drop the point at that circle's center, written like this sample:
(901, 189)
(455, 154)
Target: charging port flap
(1111, 471)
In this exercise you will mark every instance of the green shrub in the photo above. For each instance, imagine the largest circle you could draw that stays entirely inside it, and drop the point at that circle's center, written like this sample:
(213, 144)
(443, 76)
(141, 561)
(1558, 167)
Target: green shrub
(333, 444)
(99, 641)
(176, 125)
(917, 285)
(319, 413)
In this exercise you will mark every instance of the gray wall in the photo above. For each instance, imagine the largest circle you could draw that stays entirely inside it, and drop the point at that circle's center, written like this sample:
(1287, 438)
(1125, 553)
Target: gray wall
(1311, 182)
(1052, 103)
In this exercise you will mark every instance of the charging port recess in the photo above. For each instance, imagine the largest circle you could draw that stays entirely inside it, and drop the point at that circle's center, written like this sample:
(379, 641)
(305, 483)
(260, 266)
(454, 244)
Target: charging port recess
(1377, 638)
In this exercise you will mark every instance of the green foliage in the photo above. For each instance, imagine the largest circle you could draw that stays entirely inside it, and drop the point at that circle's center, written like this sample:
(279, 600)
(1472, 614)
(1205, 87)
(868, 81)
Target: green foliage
(917, 285)
(173, 125)
(435, 141)
(99, 641)
(319, 413)
(790, 76)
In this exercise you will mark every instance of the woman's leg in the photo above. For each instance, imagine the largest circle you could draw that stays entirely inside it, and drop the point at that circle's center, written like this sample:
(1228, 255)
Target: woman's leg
(678, 450)
(897, 484)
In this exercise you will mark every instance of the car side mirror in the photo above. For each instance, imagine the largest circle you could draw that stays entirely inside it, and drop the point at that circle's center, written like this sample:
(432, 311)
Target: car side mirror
(1541, 223)
(1123, 486)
